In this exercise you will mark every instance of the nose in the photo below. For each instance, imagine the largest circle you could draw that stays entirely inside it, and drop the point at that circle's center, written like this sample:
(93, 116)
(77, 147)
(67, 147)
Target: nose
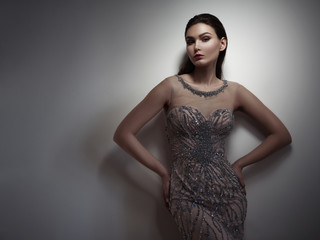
(196, 46)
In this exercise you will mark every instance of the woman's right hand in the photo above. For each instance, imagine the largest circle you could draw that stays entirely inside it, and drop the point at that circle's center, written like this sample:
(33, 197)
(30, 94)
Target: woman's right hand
(166, 189)
(238, 172)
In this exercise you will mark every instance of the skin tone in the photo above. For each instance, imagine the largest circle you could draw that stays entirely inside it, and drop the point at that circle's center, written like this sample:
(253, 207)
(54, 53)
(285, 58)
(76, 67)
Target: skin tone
(203, 48)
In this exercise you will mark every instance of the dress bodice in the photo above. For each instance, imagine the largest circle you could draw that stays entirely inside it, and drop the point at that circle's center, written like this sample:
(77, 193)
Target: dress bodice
(193, 136)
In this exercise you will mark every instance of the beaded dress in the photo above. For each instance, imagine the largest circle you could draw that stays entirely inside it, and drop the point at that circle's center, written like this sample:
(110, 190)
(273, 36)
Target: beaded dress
(206, 198)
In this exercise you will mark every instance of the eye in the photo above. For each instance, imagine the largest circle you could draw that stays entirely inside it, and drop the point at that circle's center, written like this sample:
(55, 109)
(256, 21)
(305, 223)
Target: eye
(205, 39)
(189, 41)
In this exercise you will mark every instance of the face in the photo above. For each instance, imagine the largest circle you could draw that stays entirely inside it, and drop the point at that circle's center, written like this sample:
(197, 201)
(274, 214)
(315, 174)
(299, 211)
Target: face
(203, 44)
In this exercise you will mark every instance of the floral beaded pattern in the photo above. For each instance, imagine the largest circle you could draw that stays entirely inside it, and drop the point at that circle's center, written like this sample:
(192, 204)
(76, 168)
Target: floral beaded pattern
(206, 199)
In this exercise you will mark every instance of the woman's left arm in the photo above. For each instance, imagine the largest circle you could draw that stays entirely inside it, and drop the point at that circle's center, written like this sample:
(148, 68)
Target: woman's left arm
(277, 137)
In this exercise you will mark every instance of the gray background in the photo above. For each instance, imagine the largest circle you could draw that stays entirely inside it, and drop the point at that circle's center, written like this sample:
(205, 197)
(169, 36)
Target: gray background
(70, 72)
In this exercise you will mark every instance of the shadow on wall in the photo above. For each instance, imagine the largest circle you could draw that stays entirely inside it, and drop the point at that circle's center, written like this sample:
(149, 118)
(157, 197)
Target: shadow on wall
(141, 189)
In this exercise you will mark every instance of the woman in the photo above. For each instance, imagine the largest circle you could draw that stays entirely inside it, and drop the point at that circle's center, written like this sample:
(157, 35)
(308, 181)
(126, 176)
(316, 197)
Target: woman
(204, 192)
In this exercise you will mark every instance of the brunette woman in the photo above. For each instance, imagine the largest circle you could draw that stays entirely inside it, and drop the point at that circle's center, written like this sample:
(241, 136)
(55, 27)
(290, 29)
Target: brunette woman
(203, 191)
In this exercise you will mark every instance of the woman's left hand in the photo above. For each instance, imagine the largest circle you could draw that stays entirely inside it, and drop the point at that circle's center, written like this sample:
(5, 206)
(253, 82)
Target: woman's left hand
(238, 171)
(166, 189)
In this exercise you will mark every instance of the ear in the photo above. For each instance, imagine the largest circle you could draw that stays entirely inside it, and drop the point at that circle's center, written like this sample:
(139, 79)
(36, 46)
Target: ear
(223, 44)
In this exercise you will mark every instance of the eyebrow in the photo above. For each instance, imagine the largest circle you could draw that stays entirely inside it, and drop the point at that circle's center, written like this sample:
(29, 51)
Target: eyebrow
(200, 35)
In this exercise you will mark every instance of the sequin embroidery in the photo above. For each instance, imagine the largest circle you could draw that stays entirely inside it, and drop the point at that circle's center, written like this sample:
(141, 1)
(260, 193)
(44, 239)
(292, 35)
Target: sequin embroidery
(203, 93)
(206, 199)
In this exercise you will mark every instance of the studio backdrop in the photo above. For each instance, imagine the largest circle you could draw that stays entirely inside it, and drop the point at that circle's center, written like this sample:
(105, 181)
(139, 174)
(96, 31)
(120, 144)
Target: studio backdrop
(72, 70)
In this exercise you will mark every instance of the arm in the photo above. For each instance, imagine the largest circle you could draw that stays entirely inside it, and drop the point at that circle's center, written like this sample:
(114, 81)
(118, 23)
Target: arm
(125, 135)
(277, 134)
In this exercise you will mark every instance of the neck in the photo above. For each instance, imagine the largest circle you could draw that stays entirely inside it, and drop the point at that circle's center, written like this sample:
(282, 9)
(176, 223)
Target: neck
(205, 75)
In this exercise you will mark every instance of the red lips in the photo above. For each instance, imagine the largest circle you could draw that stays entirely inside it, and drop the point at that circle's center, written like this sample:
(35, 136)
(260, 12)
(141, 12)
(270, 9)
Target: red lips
(198, 56)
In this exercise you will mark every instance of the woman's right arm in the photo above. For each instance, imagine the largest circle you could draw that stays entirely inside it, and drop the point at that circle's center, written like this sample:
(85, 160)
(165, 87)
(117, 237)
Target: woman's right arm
(125, 135)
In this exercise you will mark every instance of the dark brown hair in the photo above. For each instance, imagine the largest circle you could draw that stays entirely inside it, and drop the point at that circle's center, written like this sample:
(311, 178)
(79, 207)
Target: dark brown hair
(206, 18)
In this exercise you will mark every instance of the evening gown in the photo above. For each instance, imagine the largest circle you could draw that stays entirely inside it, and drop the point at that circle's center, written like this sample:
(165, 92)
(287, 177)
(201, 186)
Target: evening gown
(206, 198)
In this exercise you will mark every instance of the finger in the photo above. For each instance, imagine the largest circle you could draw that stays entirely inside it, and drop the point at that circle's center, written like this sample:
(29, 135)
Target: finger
(165, 197)
(242, 183)
(166, 203)
(243, 186)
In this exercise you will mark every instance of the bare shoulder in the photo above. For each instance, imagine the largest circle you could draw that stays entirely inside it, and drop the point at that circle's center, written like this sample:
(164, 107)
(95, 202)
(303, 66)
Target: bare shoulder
(234, 87)
(240, 93)
(166, 84)
(171, 80)
(163, 90)
(237, 88)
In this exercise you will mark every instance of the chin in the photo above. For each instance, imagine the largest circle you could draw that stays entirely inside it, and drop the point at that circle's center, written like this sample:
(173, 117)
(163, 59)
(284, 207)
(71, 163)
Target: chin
(201, 64)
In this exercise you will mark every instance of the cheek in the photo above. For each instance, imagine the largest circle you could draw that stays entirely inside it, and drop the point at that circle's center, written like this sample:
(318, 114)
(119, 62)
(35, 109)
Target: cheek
(190, 51)
(213, 47)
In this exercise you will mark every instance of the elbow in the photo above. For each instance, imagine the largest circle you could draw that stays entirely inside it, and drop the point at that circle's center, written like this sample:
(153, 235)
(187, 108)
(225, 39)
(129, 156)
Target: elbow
(121, 137)
(286, 138)
(117, 136)
(281, 138)
(289, 139)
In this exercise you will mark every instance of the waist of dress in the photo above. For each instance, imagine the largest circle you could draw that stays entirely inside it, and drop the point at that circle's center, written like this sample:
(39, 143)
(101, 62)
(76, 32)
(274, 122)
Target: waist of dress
(216, 157)
(206, 152)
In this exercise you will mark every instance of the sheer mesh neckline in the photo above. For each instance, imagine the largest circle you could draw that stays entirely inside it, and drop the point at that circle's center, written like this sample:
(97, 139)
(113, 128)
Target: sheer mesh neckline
(203, 93)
